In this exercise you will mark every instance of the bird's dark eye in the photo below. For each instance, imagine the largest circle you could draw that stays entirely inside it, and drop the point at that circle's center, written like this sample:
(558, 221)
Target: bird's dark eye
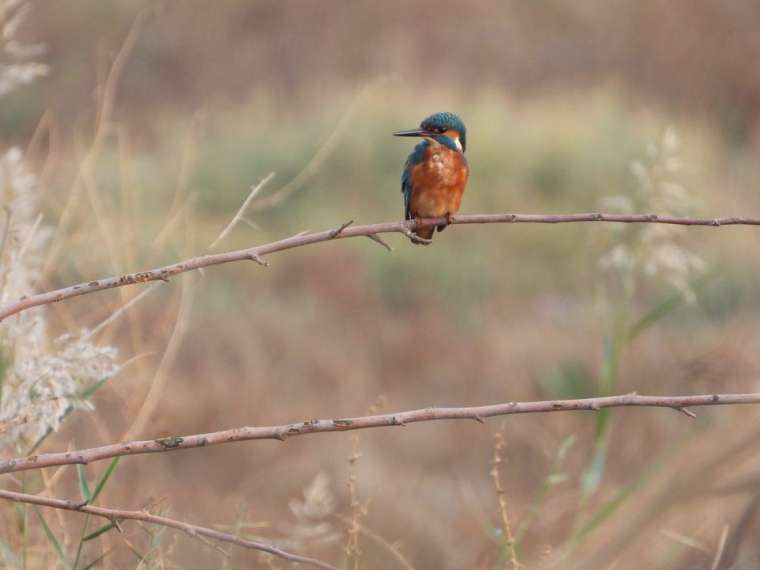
(441, 129)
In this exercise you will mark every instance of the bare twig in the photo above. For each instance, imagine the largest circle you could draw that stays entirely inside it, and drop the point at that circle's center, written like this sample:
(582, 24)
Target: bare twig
(239, 215)
(299, 240)
(199, 532)
(282, 432)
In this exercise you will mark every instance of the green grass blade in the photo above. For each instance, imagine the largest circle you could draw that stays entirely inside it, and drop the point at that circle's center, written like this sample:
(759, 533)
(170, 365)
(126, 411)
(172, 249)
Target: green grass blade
(90, 390)
(97, 532)
(666, 305)
(84, 487)
(553, 477)
(81, 541)
(98, 559)
(104, 478)
(610, 507)
(9, 556)
(53, 541)
(660, 310)
(593, 474)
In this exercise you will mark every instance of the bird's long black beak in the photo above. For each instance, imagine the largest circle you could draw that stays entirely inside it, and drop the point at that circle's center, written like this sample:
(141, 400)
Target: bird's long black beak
(413, 133)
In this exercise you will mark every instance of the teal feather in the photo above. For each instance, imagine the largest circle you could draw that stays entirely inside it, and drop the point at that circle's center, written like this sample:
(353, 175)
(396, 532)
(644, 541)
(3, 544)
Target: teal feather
(417, 156)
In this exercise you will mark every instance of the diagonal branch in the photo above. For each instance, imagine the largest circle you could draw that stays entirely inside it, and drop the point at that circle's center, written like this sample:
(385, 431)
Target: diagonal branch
(118, 515)
(282, 432)
(302, 239)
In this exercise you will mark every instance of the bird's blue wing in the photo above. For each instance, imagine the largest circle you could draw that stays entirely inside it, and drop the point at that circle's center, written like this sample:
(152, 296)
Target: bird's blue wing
(417, 156)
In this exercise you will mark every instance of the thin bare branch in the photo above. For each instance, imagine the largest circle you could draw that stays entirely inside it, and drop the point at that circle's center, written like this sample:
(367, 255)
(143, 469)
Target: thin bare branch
(198, 532)
(299, 240)
(282, 432)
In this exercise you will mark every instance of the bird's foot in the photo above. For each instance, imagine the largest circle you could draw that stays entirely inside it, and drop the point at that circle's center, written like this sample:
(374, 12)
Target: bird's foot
(413, 237)
(449, 220)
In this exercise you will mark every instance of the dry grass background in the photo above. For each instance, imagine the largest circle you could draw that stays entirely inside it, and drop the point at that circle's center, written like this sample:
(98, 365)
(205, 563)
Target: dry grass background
(558, 101)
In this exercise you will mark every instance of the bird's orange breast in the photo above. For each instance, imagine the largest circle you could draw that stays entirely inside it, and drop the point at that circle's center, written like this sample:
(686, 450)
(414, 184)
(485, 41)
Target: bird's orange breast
(438, 182)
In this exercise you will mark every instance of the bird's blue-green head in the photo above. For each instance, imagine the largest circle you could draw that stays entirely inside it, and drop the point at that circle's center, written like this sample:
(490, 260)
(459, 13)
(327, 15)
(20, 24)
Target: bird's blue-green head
(444, 128)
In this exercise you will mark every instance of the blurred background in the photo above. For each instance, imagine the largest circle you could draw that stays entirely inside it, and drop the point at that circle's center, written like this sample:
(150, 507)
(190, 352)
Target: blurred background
(155, 120)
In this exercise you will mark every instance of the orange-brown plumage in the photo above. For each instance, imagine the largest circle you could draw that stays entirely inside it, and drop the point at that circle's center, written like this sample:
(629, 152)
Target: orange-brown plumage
(437, 185)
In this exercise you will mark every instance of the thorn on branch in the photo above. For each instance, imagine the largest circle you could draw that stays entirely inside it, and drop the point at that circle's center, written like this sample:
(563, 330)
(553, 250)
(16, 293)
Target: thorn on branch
(478, 419)
(686, 412)
(255, 257)
(378, 239)
(336, 232)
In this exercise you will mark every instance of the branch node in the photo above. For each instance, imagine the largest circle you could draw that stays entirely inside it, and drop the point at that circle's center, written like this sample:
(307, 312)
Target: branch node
(257, 258)
(280, 435)
(337, 231)
(170, 442)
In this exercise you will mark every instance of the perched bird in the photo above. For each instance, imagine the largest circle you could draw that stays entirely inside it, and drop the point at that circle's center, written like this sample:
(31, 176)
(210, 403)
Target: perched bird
(435, 173)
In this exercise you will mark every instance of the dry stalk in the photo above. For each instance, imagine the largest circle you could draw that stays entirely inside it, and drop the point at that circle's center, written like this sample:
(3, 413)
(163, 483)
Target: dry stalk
(353, 552)
(496, 461)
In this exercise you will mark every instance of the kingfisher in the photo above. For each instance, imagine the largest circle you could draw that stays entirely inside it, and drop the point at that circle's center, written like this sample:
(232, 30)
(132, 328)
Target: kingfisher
(435, 174)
